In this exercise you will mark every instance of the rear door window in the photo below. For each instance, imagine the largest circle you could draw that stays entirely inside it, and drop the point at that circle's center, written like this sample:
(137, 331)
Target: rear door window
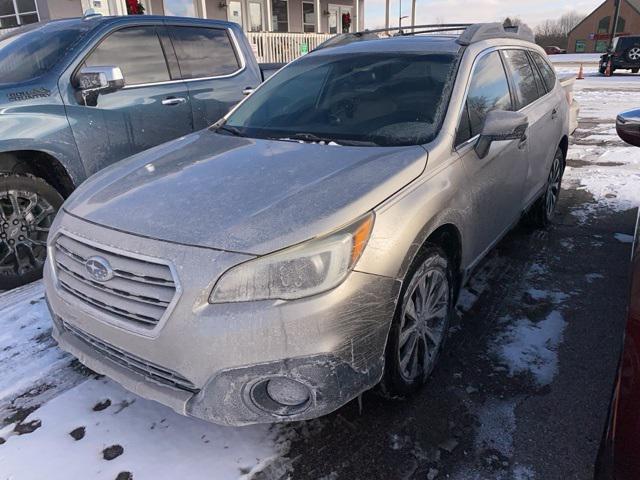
(488, 90)
(138, 53)
(548, 75)
(204, 52)
(524, 80)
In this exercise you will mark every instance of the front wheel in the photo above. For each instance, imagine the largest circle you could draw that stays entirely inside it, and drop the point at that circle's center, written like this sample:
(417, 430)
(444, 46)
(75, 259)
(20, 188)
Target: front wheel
(420, 325)
(543, 209)
(28, 206)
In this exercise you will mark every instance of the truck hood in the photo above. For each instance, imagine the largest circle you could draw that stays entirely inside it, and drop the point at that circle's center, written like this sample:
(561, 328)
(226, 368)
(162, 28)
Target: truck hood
(240, 194)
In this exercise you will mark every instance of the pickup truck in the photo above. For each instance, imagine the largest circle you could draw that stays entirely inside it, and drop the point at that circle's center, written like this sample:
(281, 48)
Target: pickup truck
(79, 94)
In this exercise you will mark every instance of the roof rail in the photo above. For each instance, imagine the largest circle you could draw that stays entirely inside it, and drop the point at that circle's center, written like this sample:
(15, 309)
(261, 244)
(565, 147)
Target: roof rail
(470, 32)
(485, 31)
(91, 13)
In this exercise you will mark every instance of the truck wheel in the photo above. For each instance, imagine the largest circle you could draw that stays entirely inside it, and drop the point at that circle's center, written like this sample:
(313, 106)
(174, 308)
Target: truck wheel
(28, 206)
(420, 324)
(543, 209)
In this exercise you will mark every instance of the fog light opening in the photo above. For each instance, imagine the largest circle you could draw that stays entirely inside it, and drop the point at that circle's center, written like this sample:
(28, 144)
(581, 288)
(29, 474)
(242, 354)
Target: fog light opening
(281, 396)
(287, 392)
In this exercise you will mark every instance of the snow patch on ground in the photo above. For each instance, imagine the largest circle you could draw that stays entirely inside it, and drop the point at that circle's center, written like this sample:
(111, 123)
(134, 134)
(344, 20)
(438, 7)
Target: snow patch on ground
(157, 443)
(531, 347)
(33, 368)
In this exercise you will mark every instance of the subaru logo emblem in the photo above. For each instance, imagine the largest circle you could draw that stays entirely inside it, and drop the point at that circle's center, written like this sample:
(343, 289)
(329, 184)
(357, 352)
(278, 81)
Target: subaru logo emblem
(99, 269)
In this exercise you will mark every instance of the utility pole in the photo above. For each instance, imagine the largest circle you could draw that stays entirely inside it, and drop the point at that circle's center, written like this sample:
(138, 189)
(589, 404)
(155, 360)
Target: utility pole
(616, 16)
(413, 15)
(386, 15)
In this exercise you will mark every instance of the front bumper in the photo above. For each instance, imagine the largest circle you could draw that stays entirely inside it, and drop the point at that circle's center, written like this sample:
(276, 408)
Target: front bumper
(333, 343)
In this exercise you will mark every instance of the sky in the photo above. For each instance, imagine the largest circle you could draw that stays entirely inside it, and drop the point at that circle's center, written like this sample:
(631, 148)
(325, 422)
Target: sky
(532, 12)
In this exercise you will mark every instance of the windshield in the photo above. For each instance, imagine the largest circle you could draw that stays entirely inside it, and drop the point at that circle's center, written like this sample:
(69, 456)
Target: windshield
(365, 99)
(32, 50)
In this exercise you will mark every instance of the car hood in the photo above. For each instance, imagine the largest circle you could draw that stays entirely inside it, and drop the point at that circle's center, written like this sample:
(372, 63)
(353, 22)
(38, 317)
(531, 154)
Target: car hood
(240, 194)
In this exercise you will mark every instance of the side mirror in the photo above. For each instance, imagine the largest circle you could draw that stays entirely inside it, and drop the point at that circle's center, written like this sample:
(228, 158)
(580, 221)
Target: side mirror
(628, 127)
(93, 81)
(501, 125)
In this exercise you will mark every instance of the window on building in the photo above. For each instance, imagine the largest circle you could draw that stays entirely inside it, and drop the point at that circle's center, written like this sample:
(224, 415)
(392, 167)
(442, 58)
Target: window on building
(523, 77)
(581, 46)
(601, 46)
(14, 13)
(179, 8)
(204, 52)
(603, 25)
(622, 23)
(308, 17)
(255, 16)
(280, 12)
(136, 51)
(488, 91)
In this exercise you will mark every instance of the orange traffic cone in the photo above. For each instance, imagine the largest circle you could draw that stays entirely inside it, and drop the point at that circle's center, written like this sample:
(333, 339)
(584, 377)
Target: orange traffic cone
(608, 72)
(580, 73)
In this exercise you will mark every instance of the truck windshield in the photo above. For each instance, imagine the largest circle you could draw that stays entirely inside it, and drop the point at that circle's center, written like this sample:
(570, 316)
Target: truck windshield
(366, 99)
(31, 51)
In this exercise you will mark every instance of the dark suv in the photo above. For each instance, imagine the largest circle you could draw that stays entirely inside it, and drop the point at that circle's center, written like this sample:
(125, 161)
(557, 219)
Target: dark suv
(624, 55)
(79, 94)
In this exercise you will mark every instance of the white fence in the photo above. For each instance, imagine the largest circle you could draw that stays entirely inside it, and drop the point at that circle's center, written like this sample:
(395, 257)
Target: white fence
(4, 31)
(274, 47)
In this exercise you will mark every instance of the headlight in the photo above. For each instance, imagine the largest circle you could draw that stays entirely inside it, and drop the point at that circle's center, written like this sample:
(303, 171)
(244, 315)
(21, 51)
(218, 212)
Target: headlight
(300, 271)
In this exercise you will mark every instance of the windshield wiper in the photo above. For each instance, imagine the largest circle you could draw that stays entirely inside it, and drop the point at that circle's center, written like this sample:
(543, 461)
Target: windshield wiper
(313, 138)
(229, 129)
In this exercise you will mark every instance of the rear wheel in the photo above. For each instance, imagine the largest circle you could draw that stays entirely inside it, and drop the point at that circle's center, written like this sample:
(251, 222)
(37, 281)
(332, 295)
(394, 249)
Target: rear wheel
(543, 209)
(28, 206)
(420, 324)
(633, 54)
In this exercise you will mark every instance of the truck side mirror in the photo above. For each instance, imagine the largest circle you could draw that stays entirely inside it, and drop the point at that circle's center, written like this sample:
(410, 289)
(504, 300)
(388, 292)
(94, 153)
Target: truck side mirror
(93, 81)
(501, 125)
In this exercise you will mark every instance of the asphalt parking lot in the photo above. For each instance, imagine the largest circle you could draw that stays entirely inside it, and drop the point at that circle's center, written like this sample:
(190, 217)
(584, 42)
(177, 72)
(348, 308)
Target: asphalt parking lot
(521, 393)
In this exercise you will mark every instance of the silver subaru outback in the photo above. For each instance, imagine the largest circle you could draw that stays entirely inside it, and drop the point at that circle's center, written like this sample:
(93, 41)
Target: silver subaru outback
(311, 244)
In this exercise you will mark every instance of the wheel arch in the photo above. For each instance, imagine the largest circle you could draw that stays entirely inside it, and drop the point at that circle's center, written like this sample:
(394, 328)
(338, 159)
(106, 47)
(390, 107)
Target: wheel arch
(564, 145)
(40, 164)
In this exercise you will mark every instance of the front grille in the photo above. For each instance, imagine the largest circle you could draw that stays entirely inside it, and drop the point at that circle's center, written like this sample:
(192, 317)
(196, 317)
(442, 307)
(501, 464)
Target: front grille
(139, 292)
(142, 367)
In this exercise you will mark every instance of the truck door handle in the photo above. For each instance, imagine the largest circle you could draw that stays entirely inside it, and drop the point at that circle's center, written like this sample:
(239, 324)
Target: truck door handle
(247, 91)
(554, 114)
(173, 101)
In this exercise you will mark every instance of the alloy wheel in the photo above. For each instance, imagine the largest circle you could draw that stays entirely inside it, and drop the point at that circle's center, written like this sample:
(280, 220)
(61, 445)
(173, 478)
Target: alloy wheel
(423, 323)
(25, 218)
(634, 53)
(553, 186)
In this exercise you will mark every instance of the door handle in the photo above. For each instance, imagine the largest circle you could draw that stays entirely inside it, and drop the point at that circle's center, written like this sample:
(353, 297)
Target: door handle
(173, 101)
(247, 91)
(554, 114)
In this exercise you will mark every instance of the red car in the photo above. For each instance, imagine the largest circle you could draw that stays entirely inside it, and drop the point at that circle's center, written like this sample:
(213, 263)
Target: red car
(553, 50)
(619, 456)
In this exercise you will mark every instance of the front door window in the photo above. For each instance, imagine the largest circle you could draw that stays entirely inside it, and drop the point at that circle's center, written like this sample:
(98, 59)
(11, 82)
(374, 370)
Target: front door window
(340, 19)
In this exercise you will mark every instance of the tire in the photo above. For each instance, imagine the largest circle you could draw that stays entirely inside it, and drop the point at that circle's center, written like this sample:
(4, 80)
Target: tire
(542, 211)
(23, 230)
(431, 270)
(632, 54)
